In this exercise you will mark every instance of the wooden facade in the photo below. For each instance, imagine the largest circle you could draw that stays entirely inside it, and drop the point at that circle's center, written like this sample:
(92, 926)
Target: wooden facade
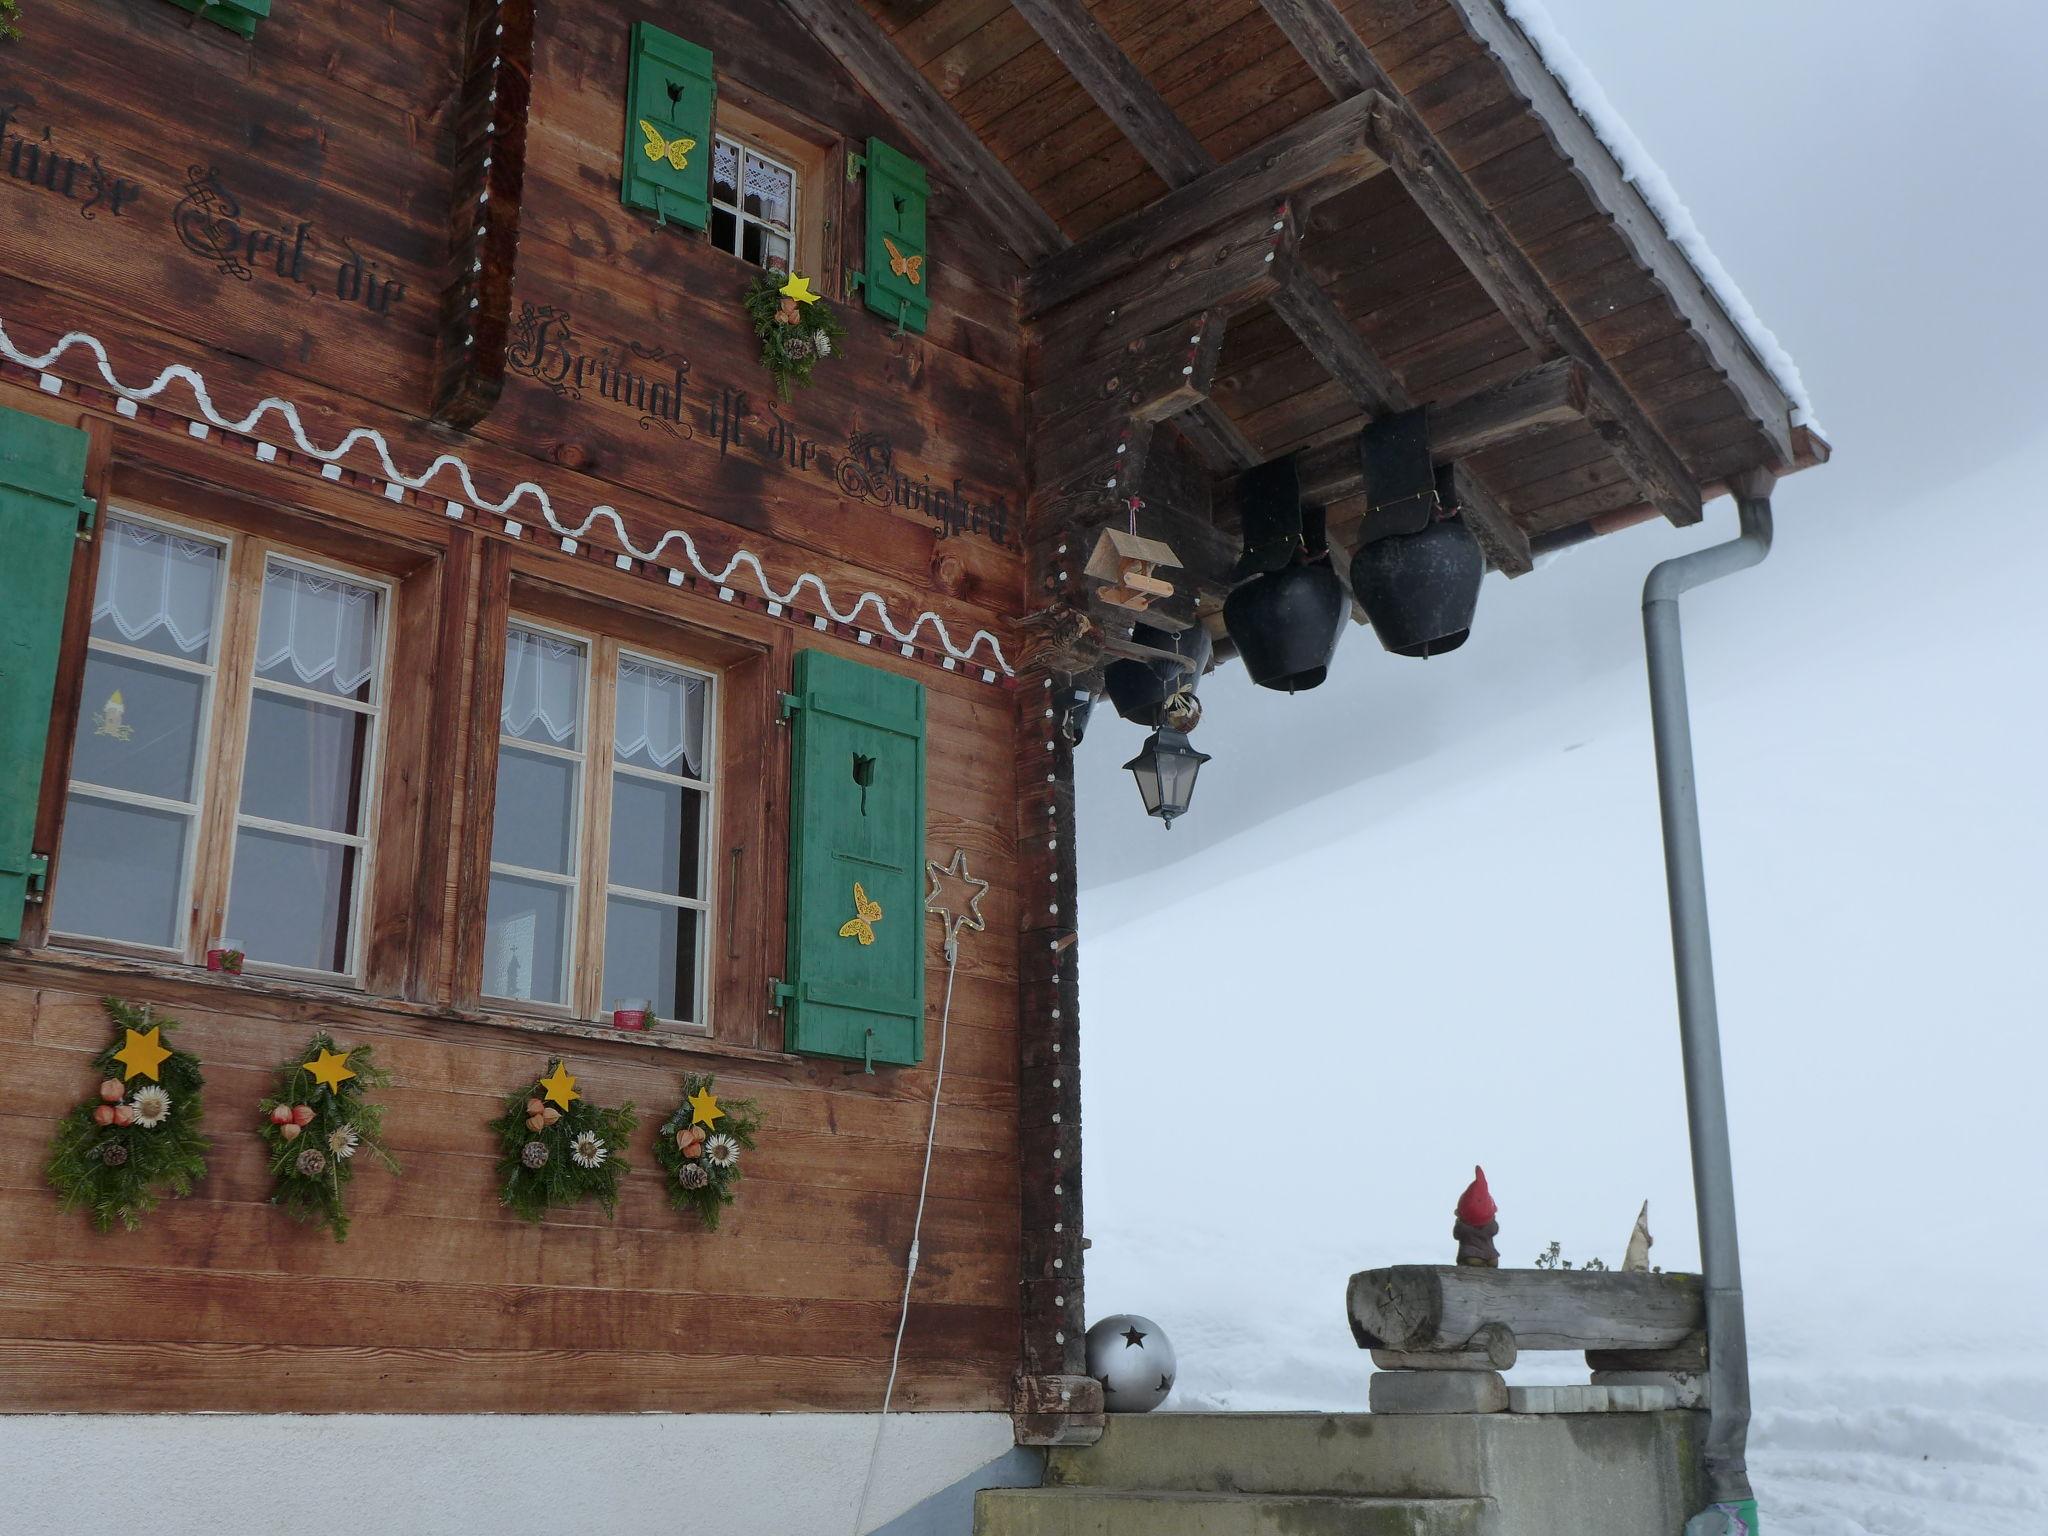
(363, 285)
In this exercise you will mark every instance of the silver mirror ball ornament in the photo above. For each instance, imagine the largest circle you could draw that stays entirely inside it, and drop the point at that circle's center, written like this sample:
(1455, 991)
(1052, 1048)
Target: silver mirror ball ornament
(1133, 1359)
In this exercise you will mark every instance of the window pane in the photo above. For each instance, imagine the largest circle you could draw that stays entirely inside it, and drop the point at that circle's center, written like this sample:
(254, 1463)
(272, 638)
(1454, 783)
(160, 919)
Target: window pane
(543, 689)
(770, 190)
(660, 721)
(725, 230)
(289, 900)
(138, 729)
(157, 590)
(122, 873)
(750, 242)
(534, 825)
(725, 172)
(651, 951)
(305, 763)
(774, 251)
(656, 836)
(526, 940)
(318, 632)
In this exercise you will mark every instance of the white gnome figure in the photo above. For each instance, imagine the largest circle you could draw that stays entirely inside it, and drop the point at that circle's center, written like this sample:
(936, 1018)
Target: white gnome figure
(1637, 1260)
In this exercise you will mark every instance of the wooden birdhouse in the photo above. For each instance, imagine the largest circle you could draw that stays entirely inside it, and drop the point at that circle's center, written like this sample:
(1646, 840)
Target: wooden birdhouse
(1127, 566)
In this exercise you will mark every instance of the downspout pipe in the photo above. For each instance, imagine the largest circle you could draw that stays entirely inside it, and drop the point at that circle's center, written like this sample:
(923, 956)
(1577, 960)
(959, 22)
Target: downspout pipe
(1733, 1508)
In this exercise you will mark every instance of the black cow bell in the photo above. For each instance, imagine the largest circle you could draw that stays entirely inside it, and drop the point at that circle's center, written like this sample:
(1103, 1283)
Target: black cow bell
(1420, 589)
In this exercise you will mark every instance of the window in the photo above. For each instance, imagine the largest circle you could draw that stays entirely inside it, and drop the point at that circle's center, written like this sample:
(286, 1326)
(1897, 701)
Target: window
(190, 793)
(600, 887)
(753, 204)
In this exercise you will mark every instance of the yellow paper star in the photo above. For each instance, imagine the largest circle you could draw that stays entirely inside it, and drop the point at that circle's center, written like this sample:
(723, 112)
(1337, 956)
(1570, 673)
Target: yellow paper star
(559, 1086)
(799, 288)
(142, 1053)
(329, 1069)
(704, 1108)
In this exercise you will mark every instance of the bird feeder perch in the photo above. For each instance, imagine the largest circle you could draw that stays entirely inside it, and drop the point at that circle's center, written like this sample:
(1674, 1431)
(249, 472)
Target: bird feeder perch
(1126, 564)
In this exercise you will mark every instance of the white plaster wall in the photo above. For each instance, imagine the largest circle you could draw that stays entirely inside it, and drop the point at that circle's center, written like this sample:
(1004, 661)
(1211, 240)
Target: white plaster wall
(397, 1475)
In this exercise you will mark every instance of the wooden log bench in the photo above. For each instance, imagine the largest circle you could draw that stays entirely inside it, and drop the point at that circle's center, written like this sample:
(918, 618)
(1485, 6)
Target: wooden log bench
(1441, 1335)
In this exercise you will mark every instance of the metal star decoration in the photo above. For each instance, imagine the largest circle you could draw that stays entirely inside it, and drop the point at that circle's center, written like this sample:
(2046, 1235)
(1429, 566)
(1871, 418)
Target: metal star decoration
(142, 1053)
(955, 896)
(329, 1070)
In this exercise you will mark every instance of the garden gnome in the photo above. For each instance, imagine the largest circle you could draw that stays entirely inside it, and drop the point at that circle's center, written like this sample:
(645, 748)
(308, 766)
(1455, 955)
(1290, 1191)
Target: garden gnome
(1637, 1260)
(1476, 1228)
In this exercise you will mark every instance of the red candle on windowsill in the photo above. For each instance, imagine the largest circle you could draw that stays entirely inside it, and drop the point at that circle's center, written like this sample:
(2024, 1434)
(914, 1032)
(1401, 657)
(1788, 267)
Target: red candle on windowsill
(631, 1012)
(225, 956)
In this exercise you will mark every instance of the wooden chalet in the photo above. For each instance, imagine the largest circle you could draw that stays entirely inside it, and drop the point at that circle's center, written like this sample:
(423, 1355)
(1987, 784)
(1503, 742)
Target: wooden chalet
(416, 582)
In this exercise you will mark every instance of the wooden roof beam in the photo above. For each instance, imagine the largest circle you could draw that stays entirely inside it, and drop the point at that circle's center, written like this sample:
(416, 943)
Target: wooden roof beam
(850, 34)
(1427, 173)
(1317, 158)
(1117, 86)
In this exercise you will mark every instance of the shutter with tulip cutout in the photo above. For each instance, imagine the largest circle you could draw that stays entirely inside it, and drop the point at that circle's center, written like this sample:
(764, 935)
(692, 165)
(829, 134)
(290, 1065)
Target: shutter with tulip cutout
(42, 509)
(898, 280)
(669, 94)
(855, 982)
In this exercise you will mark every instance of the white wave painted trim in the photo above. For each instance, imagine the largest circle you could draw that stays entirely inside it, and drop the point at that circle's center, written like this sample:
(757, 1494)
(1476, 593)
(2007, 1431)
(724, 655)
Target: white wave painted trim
(1642, 169)
(388, 467)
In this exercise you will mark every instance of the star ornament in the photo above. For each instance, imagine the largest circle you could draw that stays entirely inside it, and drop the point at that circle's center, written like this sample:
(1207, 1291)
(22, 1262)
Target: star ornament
(559, 1087)
(955, 895)
(704, 1108)
(142, 1053)
(330, 1070)
(799, 288)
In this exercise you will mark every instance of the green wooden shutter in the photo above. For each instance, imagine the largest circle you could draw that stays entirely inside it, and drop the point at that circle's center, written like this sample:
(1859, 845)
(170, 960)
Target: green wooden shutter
(856, 816)
(42, 490)
(238, 16)
(669, 91)
(897, 193)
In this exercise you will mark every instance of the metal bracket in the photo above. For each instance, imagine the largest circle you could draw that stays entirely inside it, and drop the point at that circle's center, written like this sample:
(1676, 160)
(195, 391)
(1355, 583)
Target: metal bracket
(779, 993)
(787, 705)
(88, 516)
(856, 166)
(38, 877)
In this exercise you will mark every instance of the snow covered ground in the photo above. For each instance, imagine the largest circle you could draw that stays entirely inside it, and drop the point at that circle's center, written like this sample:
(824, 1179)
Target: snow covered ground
(1301, 1034)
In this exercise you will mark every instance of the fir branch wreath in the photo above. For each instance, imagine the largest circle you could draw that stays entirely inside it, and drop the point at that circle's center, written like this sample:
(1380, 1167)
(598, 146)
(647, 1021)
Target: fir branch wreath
(796, 327)
(10, 22)
(555, 1147)
(139, 1136)
(699, 1147)
(316, 1123)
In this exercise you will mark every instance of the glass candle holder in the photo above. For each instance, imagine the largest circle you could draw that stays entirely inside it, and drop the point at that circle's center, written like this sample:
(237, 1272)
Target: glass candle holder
(225, 956)
(632, 1012)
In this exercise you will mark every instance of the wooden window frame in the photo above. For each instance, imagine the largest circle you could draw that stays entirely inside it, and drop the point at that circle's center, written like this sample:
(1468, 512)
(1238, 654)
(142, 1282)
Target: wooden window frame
(806, 150)
(423, 571)
(744, 843)
(216, 816)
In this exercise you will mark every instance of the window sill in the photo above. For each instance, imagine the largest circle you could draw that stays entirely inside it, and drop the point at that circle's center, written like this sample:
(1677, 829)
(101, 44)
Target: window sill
(201, 988)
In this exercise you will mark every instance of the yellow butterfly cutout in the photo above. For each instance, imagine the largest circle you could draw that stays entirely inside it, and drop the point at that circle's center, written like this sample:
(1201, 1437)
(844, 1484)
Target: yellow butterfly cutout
(911, 267)
(862, 926)
(675, 151)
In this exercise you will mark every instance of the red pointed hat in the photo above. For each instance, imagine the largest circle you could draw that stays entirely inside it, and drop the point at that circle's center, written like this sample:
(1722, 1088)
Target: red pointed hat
(1475, 1206)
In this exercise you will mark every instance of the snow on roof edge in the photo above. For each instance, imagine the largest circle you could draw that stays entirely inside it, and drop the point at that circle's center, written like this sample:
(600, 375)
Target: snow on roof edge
(1648, 178)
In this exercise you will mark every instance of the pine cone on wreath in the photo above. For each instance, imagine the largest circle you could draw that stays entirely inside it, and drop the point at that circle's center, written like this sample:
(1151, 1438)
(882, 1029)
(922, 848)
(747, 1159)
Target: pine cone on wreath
(114, 1155)
(534, 1154)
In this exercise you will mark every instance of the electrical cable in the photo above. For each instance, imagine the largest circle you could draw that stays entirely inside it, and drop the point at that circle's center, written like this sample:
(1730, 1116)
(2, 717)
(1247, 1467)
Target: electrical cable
(924, 1184)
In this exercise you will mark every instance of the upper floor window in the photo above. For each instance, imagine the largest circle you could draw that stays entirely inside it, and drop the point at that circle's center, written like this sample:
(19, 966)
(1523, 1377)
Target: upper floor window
(226, 752)
(753, 204)
(600, 886)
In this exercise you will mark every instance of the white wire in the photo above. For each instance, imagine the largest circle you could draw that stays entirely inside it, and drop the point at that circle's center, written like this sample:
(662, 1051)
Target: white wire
(924, 1183)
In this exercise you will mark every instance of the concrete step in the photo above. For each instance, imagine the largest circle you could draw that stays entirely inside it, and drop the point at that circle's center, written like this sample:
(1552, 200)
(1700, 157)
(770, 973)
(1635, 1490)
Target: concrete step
(1130, 1512)
(1355, 1454)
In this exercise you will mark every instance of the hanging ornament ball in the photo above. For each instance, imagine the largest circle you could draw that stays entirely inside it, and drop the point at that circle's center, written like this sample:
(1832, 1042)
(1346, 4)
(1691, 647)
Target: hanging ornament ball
(1133, 1359)
(534, 1154)
(113, 1154)
(312, 1162)
(112, 1091)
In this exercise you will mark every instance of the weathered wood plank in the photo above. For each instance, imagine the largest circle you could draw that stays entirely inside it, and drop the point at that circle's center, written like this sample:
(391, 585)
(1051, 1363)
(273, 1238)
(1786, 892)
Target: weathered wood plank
(1426, 1308)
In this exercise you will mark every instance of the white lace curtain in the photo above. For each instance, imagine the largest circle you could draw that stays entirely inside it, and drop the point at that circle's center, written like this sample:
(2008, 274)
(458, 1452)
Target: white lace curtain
(543, 687)
(321, 627)
(153, 580)
(661, 717)
(765, 182)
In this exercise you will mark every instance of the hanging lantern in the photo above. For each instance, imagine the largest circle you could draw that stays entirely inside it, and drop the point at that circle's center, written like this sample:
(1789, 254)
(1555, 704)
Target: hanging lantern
(1165, 769)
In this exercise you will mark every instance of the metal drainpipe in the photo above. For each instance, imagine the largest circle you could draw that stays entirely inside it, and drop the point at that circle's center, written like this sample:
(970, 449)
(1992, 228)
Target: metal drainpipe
(1713, 1174)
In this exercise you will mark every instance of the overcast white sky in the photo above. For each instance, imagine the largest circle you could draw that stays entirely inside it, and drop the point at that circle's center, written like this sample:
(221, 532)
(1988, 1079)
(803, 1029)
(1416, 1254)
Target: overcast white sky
(1417, 916)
